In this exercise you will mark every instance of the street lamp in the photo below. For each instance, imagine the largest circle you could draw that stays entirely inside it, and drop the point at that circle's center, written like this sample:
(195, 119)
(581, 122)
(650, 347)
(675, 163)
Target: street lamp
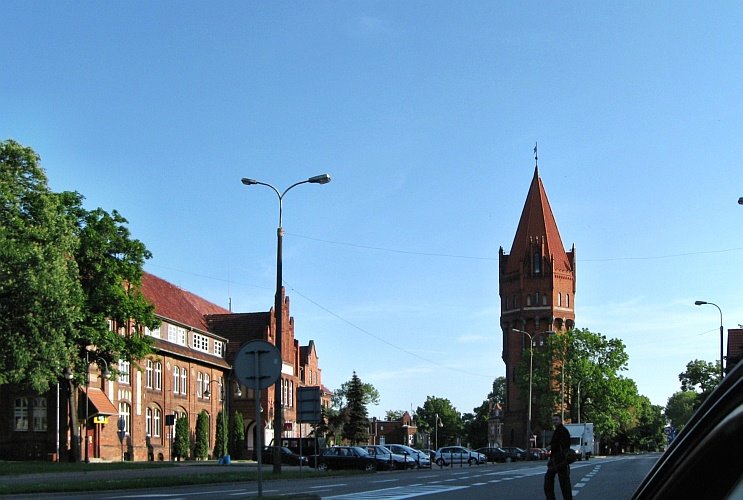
(107, 375)
(531, 370)
(579, 399)
(701, 303)
(277, 425)
(740, 200)
(207, 395)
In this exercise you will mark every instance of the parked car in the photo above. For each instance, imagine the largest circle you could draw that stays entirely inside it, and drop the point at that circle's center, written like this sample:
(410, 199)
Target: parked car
(494, 454)
(288, 457)
(346, 457)
(421, 459)
(458, 455)
(431, 454)
(395, 460)
(515, 453)
(538, 454)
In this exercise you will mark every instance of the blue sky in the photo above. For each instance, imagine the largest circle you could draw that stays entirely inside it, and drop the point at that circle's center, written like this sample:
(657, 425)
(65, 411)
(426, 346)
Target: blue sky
(425, 114)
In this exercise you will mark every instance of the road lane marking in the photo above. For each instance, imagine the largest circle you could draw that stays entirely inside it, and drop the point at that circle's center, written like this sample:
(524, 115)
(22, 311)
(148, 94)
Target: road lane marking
(397, 493)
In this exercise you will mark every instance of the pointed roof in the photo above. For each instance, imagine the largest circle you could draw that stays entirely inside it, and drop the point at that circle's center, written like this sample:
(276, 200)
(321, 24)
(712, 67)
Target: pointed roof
(537, 222)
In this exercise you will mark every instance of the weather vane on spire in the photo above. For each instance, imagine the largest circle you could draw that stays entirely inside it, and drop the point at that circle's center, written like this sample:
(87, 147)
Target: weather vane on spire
(536, 158)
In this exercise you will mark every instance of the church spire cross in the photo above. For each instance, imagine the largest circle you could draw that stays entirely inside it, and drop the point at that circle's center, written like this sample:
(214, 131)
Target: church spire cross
(536, 157)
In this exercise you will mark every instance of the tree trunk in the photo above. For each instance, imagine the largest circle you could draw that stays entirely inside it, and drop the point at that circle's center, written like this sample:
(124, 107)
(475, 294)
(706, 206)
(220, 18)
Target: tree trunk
(75, 450)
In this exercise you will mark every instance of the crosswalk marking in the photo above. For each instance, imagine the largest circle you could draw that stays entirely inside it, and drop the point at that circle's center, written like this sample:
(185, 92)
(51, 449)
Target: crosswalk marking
(397, 493)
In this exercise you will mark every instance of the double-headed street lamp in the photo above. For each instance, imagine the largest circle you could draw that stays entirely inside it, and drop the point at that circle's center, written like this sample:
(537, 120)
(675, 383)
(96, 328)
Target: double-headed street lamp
(702, 303)
(106, 375)
(531, 370)
(277, 424)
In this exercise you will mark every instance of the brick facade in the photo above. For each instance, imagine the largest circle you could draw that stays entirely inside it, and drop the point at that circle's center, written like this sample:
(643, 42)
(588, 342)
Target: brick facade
(188, 372)
(537, 291)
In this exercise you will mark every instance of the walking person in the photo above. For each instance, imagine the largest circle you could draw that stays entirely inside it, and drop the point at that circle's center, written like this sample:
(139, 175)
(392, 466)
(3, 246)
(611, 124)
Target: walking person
(558, 462)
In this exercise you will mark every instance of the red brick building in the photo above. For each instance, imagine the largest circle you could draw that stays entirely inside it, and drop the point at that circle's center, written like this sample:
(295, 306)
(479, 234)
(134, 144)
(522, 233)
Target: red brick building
(537, 290)
(188, 372)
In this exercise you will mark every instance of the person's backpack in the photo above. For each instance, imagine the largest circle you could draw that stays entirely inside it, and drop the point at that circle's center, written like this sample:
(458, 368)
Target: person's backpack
(571, 456)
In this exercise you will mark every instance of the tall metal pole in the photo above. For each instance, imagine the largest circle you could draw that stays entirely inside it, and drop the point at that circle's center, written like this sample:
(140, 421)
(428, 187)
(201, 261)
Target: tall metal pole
(278, 310)
(722, 366)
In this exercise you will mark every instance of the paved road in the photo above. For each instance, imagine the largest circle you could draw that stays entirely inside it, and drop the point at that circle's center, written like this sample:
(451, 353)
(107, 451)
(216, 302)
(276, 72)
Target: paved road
(609, 478)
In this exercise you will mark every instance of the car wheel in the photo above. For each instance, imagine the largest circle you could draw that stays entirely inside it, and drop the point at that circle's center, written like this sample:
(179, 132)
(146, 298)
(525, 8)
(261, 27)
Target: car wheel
(322, 466)
(440, 462)
(471, 461)
(508, 460)
(370, 467)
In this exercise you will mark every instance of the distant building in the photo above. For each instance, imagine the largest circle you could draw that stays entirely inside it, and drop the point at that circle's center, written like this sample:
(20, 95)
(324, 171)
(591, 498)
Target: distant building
(400, 431)
(537, 291)
(735, 348)
(189, 371)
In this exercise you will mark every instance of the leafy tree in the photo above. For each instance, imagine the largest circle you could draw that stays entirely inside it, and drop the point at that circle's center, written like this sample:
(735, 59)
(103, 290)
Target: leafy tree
(647, 432)
(700, 376)
(220, 440)
(182, 442)
(440, 411)
(64, 271)
(201, 443)
(40, 293)
(356, 427)
(392, 415)
(476, 423)
(591, 361)
(680, 407)
(237, 435)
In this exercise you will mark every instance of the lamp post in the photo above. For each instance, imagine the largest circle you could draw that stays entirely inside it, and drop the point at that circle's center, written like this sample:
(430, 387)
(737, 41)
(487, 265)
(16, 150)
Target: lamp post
(579, 399)
(702, 303)
(207, 395)
(107, 375)
(277, 425)
(531, 370)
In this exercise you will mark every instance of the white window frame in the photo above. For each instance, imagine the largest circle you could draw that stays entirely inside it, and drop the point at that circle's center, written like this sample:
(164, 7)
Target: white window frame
(124, 375)
(158, 376)
(176, 380)
(38, 414)
(181, 336)
(125, 411)
(173, 334)
(149, 375)
(199, 384)
(200, 342)
(20, 415)
(219, 348)
(184, 381)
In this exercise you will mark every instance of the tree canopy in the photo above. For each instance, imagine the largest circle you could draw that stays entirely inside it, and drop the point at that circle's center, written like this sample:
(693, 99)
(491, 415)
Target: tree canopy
(449, 425)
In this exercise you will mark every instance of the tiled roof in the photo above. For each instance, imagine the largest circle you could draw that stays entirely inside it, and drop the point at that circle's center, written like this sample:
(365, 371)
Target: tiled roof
(178, 304)
(537, 222)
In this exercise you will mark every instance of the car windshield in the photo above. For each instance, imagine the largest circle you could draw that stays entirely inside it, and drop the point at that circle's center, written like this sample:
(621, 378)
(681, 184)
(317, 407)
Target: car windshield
(361, 452)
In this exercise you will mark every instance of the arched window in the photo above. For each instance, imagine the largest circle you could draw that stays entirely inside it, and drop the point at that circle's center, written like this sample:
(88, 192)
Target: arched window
(184, 381)
(125, 413)
(176, 380)
(199, 384)
(156, 421)
(544, 299)
(559, 300)
(20, 414)
(537, 262)
(567, 300)
(207, 386)
(528, 300)
(148, 422)
(158, 376)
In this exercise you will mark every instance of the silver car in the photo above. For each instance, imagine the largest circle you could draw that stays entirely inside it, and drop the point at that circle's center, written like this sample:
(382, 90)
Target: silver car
(458, 455)
(383, 453)
(421, 459)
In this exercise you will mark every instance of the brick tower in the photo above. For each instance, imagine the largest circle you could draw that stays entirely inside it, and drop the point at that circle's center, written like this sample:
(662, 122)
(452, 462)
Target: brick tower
(537, 291)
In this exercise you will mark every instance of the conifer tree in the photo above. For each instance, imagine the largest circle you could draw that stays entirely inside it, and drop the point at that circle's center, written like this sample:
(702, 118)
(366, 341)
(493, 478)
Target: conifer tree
(201, 444)
(356, 428)
(182, 443)
(220, 441)
(237, 436)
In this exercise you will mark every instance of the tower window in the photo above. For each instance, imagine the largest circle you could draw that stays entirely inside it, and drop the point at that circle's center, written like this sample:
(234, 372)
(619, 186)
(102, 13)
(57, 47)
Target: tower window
(537, 263)
(559, 300)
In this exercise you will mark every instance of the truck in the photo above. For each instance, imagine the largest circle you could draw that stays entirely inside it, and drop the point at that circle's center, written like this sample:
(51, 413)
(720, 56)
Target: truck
(581, 439)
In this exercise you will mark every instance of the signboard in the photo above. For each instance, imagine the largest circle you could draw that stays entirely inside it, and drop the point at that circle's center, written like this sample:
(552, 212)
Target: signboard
(258, 364)
(309, 409)
(100, 419)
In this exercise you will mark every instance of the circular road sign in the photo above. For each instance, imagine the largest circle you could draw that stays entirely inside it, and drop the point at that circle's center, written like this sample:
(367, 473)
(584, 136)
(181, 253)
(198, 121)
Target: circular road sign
(258, 364)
